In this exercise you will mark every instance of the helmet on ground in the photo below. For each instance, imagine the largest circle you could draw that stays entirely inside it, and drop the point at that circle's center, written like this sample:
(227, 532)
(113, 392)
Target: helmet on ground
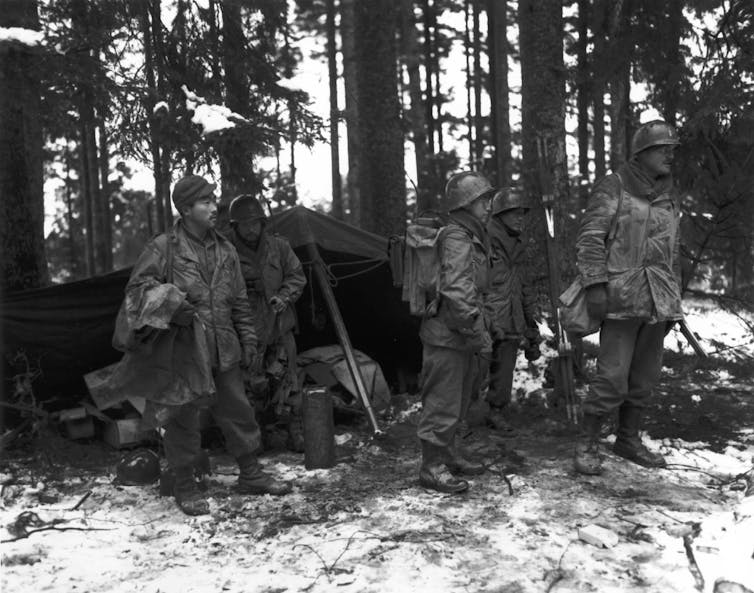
(138, 467)
(653, 133)
(509, 199)
(245, 207)
(463, 188)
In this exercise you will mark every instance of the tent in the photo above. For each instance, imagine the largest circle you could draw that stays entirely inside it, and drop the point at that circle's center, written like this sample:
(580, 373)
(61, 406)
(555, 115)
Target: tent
(65, 330)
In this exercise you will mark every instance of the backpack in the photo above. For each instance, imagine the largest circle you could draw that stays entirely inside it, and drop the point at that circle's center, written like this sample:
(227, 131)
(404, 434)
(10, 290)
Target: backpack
(420, 274)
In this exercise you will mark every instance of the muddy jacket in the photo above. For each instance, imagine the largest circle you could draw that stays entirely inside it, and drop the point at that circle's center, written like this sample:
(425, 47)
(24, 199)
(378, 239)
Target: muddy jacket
(464, 270)
(210, 275)
(641, 264)
(272, 270)
(510, 302)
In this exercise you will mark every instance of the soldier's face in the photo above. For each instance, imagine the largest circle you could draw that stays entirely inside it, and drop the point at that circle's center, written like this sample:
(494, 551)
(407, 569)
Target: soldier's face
(249, 230)
(657, 160)
(202, 213)
(513, 219)
(480, 208)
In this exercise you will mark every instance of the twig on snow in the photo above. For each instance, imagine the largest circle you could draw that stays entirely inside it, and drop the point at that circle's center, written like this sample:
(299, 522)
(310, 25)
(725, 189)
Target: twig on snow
(82, 500)
(688, 541)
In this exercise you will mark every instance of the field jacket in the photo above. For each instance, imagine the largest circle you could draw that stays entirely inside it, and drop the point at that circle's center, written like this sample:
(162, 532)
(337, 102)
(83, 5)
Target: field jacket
(210, 274)
(272, 270)
(510, 304)
(641, 263)
(464, 274)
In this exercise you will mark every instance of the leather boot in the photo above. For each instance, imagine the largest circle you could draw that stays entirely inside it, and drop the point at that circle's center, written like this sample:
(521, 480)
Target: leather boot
(435, 475)
(628, 442)
(458, 464)
(186, 492)
(586, 458)
(252, 480)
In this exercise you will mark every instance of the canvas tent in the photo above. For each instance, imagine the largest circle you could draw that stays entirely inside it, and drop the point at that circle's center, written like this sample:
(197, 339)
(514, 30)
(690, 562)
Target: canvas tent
(65, 330)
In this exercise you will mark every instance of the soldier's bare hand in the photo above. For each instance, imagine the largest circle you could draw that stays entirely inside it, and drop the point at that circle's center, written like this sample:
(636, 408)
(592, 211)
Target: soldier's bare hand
(278, 304)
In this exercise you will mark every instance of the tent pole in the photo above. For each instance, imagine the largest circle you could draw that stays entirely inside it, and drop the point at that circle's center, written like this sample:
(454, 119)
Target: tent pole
(342, 332)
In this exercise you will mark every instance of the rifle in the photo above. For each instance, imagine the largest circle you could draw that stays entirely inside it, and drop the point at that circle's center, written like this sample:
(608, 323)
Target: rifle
(564, 364)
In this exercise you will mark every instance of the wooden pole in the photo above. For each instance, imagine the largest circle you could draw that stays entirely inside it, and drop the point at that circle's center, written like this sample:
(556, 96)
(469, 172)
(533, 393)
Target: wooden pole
(341, 331)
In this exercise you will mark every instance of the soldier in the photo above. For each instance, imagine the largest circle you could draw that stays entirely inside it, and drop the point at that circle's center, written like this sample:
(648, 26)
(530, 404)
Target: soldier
(632, 281)
(205, 266)
(454, 333)
(274, 282)
(510, 303)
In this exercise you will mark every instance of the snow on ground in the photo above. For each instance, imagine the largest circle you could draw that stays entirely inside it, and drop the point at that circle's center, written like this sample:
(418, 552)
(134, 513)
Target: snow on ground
(366, 525)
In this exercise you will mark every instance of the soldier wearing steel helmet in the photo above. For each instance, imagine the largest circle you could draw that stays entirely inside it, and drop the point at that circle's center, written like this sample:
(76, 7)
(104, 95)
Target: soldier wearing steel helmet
(511, 303)
(274, 282)
(454, 333)
(632, 281)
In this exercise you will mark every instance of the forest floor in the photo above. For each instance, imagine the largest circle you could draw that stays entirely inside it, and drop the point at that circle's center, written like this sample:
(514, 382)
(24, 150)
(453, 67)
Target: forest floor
(366, 524)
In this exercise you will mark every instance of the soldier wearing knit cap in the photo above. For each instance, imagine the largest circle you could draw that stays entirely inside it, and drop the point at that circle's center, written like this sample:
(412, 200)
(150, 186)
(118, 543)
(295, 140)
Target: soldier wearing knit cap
(205, 266)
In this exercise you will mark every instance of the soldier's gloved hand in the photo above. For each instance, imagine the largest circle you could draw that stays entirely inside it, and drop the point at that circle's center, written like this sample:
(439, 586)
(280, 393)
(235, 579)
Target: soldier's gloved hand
(184, 316)
(596, 300)
(248, 357)
(278, 304)
(532, 352)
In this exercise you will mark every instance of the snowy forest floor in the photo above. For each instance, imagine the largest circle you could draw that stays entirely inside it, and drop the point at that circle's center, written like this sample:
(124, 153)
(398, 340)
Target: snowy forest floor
(366, 524)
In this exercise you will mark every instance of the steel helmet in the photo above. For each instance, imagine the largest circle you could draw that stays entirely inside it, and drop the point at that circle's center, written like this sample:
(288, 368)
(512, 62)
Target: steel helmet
(138, 467)
(509, 199)
(653, 133)
(245, 207)
(463, 188)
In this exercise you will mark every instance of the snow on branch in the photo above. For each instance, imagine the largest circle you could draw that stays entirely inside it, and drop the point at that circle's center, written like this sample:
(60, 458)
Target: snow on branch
(20, 35)
(212, 118)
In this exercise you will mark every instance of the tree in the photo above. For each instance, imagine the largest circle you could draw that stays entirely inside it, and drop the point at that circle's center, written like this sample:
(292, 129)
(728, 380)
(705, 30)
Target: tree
(381, 180)
(22, 245)
(497, 17)
(543, 79)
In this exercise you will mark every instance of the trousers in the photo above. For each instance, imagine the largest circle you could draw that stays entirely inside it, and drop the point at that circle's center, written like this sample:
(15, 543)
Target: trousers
(502, 366)
(628, 365)
(233, 414)
(447, 380)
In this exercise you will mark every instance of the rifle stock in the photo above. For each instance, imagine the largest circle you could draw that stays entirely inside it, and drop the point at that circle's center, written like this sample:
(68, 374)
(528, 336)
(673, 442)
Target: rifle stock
(691, 339)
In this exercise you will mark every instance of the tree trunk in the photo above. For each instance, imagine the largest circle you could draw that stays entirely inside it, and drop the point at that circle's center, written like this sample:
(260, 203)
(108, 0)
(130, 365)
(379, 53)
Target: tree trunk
(543, 94)
(237, 157)
(582, 100)
(671, 88)
(497, 18)
(23, 260)
(162, 92)
(87, 194)
(150, 100)
(467, 51)
(428, 75)
(353, 136)
(383, 195)
(106, 229)
(416, 115)
(478, 118)
(621, 48)
(332, 54)
(598, 88)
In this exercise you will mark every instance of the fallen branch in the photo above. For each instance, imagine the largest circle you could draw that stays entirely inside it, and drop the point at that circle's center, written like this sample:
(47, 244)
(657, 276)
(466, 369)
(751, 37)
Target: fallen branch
(688, 541)
(81, 501)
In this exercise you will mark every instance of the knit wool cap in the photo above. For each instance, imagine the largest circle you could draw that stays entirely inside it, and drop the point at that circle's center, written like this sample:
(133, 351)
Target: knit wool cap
(190, 189)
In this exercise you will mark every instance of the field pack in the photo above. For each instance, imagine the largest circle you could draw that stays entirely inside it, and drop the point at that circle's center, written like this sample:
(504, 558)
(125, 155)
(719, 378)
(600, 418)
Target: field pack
(421, 264)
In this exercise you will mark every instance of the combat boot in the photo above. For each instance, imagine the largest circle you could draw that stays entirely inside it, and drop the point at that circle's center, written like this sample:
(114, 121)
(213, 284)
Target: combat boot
(435, 475)
(628, 442)
(587, 459)
(186, 492)
(458, 464)
(252, 480)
